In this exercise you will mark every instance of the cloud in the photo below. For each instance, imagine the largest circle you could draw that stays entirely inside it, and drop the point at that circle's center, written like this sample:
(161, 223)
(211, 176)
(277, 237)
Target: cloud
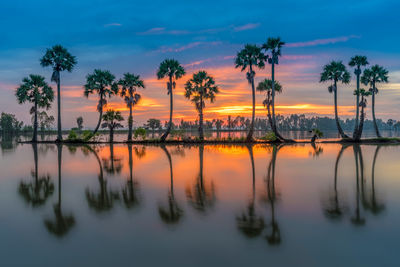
(162, 30)
(323, 41)
(245, 27)
(166, 49)
(297, 57)
(113, 25)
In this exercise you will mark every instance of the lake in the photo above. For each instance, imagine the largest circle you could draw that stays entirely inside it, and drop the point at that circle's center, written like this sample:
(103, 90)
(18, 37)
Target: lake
(134, 205)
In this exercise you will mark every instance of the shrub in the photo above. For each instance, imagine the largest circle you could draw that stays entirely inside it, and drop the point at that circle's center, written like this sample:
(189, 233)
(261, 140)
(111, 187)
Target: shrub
(270, 136)
(140, 132)
(72, 135)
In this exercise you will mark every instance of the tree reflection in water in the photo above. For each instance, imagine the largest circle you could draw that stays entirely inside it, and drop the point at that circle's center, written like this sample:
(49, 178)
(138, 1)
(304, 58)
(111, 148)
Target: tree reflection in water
(374, 205)
(172, 213)
(201, 196)
(130, 193)
(333, 208)
(62, 224)
(249, 223)
(357, 219)
(40, 189)
(112, 165)
(104, 199)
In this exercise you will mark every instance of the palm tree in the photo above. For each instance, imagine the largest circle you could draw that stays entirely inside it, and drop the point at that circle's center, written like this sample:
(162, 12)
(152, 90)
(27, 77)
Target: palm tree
(173, 213)
(265, 86)
(130, 83)
(79, 122)
(38, 191)
(130, 193)
(171, 69)
(376, 74)
(62, 223)
(335, 71)
(363, 105)
(247, 59)
(358, 62)
(111, 121)
(251, 224)
(273, 45)
(34, 89)
(102, 82)
(199, 89)
(60, 60)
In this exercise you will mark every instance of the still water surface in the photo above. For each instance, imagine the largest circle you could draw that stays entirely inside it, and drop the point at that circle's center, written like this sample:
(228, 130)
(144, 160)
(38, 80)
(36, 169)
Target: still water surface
(301, 205)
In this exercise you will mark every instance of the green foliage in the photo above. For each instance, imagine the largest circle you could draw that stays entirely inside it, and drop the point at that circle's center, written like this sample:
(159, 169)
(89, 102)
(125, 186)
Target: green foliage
(59, 59)
(34, 89)
(266, 86)
(335, 71)
(79, 122)
(111, 119)
(153, 124)
(250, 56)
(199, 88)
(274, 45)
(170, 68)
(103, 83)
(9, 123)
(140, 132)
(72, 136)
(376, 74)
(87, 135)
(270, 136)
(317, 132)
(45, 121)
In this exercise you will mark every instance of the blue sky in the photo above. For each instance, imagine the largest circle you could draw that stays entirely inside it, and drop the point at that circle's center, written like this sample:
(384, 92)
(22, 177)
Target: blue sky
(136, 36)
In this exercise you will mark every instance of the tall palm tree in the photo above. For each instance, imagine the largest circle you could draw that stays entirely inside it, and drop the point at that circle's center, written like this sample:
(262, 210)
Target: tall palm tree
(376, 74)
(199, 89)
(358, 62)
(171, 69)
(34, 89)
(103, 83)
(130, 194)
(111, 121)
(335, 71)
(173, 213)
(363, 105)
(60, 60)
(273, 46)
(38, 191)
(130, 83)
(249, 58)
(266, 86)
(62, 223)
(250, 223)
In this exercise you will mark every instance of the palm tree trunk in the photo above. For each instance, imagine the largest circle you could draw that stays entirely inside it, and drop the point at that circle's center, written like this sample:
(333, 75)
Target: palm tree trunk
(253, 114)
(171, 107)
(361, 125)
(35, 124)
(340, 130)
(378, 134)
(201, 134)
(59, 129)
(130, 122)
(100, 115)
(111, 135)
(356, 126)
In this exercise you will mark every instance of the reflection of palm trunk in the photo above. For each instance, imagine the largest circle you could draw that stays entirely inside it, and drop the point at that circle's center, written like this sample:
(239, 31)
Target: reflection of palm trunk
(170, 169)
(250, 149)
(336, 172)
(112, 156)
(375, 205)
(35, 157)
(201, 152)
(357, 220)
(59, 154)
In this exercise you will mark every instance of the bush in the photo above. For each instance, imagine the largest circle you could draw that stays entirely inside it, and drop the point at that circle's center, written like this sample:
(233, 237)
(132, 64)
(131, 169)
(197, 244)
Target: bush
(270, 136)
(72, 135)
(140, 132)
(86, 135)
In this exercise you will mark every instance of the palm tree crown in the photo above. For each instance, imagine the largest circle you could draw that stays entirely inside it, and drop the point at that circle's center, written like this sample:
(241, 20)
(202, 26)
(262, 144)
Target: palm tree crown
(111, 119)
(200, 88)
(274, 45)
(102, 82)
(59, 59)
(170, 68)
(249, 56)
(376, 74)
(266, 86)
(129, 84)
(335, 71)
(35, 89)
(358, 61)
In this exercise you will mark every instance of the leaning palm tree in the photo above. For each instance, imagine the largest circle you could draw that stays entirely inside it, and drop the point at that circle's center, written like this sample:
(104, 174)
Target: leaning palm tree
(335, 71)
(199, 89)
(34, 89)
(376, 74)
(111, 121)
(358, 62)
(103, 83)
(273, 45)
(248, 58)
(60, 60)
(266, 86)
(171, 69)
(62, 223)
(130, 83)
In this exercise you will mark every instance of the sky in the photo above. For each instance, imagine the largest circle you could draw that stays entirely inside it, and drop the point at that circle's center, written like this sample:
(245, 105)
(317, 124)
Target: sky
(135, 36)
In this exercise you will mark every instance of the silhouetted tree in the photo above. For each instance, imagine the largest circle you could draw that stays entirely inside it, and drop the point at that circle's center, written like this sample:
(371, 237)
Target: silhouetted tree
(111, 121)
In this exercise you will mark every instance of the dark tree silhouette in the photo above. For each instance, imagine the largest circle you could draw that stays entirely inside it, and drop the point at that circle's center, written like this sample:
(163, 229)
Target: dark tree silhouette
(130, 193)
